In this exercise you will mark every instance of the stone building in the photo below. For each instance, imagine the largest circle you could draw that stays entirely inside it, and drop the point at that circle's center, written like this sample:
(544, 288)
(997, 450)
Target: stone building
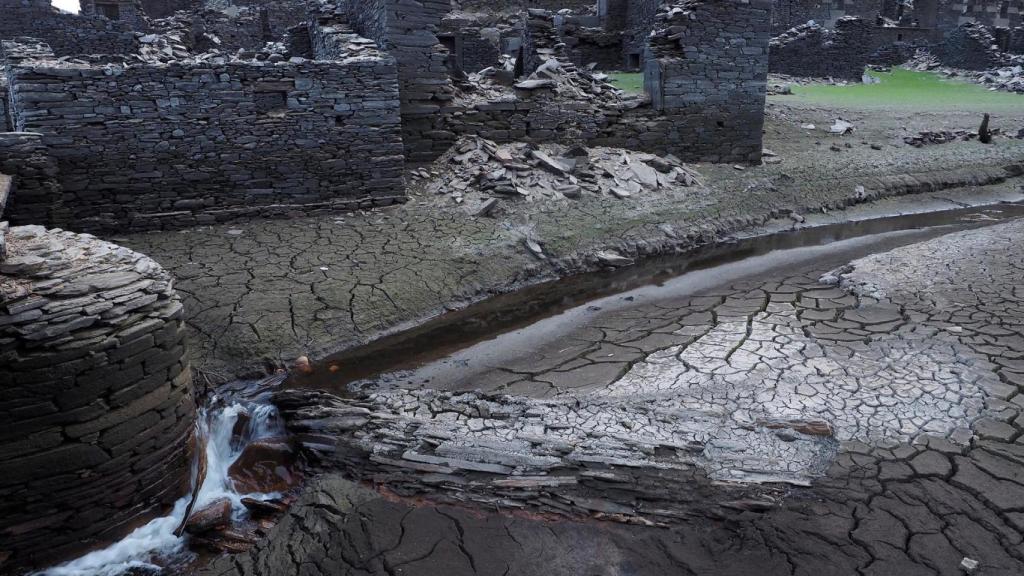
(407, 31)
(128, 11)
(155, 145)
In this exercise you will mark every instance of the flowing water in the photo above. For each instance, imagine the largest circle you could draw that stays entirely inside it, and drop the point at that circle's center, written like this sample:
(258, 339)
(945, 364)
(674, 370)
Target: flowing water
(154, 546)
(453, 348)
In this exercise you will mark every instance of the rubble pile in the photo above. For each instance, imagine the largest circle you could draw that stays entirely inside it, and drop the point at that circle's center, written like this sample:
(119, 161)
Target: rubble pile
(1008, 77)
(945, 136)
(554, 77)
(488, 173)
(166, 47)
(670, 28)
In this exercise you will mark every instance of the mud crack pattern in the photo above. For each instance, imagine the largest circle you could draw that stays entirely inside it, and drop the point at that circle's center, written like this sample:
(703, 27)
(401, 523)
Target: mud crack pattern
(913, 371)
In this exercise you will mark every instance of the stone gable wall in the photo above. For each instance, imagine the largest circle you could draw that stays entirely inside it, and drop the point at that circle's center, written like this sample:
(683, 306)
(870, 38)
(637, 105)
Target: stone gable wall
(146, 146)
(811, 51)
(408, 32)
(969, 47)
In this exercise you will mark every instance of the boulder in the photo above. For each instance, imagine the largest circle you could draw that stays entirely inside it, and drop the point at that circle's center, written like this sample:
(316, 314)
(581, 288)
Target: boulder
(214, 516)
(264, 466)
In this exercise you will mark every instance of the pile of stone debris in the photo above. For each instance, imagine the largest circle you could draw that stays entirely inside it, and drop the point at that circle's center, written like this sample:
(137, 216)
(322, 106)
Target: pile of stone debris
(1009, 78)
(482, 173)
(554, 76)
(945, 136)
(167, 47)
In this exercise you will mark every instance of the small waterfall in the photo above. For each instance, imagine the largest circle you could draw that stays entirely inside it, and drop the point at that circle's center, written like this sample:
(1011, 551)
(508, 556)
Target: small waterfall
(154, 545)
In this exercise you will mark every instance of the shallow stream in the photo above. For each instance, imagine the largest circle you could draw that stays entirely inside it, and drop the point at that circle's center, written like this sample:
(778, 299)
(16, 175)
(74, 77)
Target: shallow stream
(668, 332)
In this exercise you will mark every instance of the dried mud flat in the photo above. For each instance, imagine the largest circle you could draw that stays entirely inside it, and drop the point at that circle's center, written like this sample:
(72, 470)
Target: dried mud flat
(909, 370)
(770, 426)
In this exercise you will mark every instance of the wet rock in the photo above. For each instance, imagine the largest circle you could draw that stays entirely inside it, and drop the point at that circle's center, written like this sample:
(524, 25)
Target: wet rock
(750, 505)
(239, 430)
(302, 365)
(259, 507)
(214, 516)
(264, 467)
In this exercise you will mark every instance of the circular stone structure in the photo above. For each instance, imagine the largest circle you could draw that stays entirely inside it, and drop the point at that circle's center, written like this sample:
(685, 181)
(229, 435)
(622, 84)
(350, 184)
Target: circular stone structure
(96, 404)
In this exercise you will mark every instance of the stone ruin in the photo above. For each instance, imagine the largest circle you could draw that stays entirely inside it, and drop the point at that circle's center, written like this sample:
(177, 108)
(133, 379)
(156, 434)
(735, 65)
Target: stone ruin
(155, 132)
(854, 33)
(841, 53)
(119, 120)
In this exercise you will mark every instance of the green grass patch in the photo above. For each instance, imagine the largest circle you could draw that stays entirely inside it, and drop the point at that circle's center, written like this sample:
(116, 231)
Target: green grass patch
(909, 88)
(632, 82)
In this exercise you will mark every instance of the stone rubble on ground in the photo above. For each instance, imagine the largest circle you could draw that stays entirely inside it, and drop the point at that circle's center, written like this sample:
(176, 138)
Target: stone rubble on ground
(487, 176)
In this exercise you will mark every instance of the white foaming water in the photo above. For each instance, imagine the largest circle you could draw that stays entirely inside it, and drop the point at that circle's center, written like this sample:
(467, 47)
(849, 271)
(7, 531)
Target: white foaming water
(156, 540)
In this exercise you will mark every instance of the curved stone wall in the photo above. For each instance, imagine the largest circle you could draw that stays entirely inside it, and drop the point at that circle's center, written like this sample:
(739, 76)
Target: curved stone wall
(96, 404)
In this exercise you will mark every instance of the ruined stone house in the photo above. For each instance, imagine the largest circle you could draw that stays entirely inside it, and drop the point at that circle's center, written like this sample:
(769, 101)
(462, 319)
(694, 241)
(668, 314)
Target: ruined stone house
(362, 89)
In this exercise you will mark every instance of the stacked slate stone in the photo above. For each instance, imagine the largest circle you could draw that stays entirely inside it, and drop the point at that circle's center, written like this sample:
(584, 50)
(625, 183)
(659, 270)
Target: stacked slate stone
(5, 118)
(640, 19)
(544, 40)
(66, 34)
(164, 8)
(408, 32)
(812, 51)
(707, 82)
(36, 195)
(595, 46)
(144, 145)
(206, 29)
(128, 11)
(331, 38)
(970, 47)
(1015, 40)
(278, 15)
(97, 405)
(475, 47)
(707, 74)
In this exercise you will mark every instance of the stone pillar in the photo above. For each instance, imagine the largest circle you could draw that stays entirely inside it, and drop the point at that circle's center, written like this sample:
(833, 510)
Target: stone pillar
(36, 194)
(96, 405)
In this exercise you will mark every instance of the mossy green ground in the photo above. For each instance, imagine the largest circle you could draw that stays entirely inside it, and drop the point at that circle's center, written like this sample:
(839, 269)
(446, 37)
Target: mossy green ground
(632, 82)
(908, 88)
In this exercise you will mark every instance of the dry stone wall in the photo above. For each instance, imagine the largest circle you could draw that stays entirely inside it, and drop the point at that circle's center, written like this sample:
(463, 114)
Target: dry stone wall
(706, 72)
(594, 46)
(408, 32)
(812, 51)
(971, 47)
(127, 11)
(67, 34)
(36, 194)
(96, 405)
(143, 146)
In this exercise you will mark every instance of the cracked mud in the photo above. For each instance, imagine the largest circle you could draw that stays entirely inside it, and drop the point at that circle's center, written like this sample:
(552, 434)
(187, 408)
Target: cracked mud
(884, 393)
